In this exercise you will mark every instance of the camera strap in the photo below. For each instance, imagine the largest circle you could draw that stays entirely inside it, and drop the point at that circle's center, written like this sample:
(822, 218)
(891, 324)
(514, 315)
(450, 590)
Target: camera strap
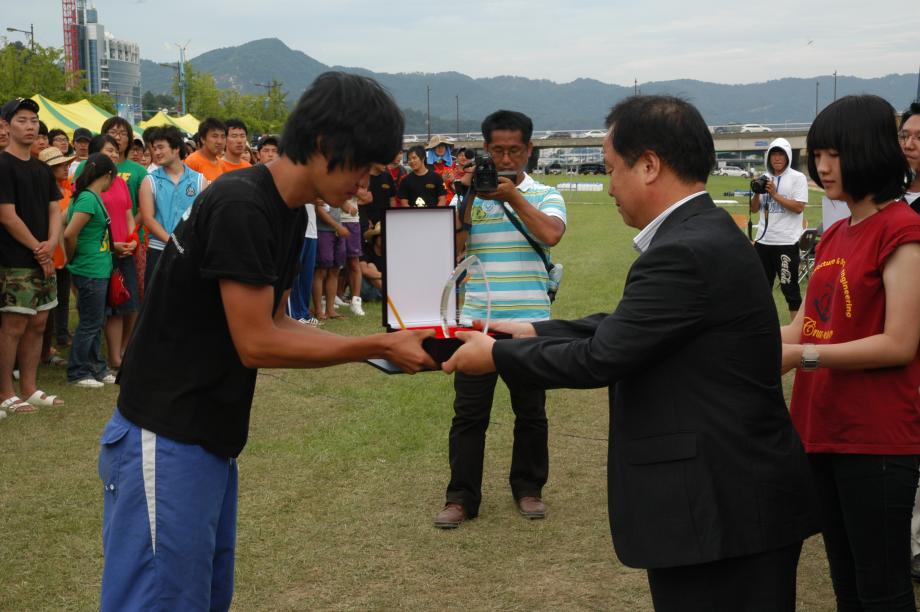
(533, 243)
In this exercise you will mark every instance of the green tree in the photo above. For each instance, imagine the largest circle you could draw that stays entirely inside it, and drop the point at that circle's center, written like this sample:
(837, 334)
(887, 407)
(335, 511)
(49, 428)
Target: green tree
(25, 73)
(202, 96)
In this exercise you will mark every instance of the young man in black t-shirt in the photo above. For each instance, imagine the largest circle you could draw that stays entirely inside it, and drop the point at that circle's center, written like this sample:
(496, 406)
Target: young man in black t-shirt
(30, 227)
(212, 316)
(423, 187)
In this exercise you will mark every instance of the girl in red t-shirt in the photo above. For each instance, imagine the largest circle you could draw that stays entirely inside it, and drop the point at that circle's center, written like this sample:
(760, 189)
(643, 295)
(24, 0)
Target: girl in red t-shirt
(855, 400)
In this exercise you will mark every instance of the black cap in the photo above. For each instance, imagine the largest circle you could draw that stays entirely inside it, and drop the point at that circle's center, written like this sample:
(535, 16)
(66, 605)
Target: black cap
(15, 105)
(82, 133)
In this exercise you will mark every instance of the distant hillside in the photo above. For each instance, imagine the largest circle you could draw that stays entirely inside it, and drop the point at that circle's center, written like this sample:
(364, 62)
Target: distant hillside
(581, 104)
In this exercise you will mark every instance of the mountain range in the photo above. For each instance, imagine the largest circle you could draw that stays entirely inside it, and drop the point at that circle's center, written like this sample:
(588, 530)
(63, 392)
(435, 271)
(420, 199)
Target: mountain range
(580, 104)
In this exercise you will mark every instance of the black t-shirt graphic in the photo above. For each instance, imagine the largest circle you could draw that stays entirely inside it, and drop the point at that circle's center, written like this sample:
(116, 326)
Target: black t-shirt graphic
(181, 376)
(428, 187)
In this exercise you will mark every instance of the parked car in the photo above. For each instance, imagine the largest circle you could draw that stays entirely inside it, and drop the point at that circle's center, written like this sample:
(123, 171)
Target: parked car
(411, 138)
(591, 168)
(554, 168)
(593, 134)
(753, 128)
(551, 135)
(731, 171)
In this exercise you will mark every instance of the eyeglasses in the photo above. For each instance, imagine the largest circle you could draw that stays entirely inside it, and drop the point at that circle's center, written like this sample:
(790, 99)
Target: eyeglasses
(906, 137)
(117, 133)
(499, 152)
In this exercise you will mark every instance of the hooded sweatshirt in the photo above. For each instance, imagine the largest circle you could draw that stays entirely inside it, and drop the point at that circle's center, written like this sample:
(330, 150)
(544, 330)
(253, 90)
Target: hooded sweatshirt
(777, 224)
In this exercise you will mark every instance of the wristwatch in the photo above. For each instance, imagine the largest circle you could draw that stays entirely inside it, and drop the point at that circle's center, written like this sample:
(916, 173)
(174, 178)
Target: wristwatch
(810, 358)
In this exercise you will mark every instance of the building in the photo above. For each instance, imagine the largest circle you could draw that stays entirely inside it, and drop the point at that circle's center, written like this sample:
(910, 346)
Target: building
(109, 65)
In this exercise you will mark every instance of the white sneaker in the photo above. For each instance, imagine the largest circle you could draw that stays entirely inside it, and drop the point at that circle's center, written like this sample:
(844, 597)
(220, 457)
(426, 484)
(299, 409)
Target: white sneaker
(15, 374)
(356, 306)
(312, 322)
(2, 414)
(109, 379)
(88, 383)
(339, 302)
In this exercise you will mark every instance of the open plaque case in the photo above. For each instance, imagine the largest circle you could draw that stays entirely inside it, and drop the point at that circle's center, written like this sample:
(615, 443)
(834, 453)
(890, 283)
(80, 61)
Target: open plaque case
(420, 255)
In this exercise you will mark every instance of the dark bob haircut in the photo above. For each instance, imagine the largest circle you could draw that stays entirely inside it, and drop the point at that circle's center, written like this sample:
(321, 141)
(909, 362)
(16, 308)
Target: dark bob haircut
(863, 131)
(236, 123)
(349, 119)
(210, 124)
(99, 141)
(512, 121)
(669, 127)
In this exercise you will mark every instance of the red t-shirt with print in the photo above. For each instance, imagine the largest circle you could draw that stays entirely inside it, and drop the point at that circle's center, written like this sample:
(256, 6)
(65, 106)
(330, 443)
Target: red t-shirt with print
(873, 412)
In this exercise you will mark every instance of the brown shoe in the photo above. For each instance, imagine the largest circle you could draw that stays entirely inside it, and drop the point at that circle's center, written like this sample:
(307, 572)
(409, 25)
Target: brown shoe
(450, 517)
(532, 507)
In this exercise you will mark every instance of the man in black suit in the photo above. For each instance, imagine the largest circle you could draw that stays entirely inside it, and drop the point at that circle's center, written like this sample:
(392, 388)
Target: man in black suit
(708, 484)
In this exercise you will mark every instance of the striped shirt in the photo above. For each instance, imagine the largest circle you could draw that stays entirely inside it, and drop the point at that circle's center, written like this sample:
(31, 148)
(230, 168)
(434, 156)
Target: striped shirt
(516, 274)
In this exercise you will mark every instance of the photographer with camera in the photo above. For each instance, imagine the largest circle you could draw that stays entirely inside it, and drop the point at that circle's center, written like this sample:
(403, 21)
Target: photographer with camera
(780, 196)
(508, 203)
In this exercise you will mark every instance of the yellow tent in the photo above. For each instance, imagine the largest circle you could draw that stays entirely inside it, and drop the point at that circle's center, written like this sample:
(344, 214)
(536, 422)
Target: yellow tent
(69, 117)
(186, 123)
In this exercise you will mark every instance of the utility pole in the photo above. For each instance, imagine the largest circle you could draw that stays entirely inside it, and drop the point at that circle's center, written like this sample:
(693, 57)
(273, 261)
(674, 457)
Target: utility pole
(635, 87)
(428, 87)
(817, 83)
(183, 85)
(835, 86)
(31, 34)
(458, 114)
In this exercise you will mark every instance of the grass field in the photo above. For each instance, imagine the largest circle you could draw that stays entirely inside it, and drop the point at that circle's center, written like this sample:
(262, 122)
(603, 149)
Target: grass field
(344, 471)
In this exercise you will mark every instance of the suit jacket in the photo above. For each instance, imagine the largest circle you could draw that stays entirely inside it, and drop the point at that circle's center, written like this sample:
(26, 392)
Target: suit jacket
(703, 460)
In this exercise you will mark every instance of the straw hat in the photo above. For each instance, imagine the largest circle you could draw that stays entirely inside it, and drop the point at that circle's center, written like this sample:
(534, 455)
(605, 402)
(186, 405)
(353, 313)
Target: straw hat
(436, 140)
(53, 157)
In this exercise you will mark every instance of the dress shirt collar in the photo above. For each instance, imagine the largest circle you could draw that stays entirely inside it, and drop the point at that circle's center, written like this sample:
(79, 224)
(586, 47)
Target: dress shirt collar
(642, 241)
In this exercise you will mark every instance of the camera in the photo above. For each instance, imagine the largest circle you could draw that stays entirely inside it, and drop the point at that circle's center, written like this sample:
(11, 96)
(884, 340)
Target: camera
(485, 175)
(759, 185)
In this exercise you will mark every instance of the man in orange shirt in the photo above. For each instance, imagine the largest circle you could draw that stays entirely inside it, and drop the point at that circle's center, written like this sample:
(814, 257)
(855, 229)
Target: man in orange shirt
(237, 139)
(207, 159)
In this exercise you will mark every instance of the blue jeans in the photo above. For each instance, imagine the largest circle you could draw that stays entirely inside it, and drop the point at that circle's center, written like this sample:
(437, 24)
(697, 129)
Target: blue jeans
(86, 349)
(299, 303)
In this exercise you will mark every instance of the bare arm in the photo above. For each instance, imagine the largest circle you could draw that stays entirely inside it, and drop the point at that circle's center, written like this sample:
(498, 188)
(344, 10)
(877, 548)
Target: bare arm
(16, 227)
(545, 228)
(76, 225)
(897, 344)
(147, 208)
(755, 203)
(792, 333)
(267, 340)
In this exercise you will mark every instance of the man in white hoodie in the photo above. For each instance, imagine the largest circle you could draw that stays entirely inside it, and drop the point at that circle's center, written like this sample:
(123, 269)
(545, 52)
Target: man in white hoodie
(781, 221)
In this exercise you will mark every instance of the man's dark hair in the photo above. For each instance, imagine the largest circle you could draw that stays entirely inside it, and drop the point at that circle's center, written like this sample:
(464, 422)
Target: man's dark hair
(863, 131)
(42, 128)
(96, 144)
(171, 135)
(671, 128)
(349, 119)
(211, 123)
(236, 123)
(119, 122)
(268, 140)
(52, 134)
(913, 109)
(507, 120)
(149, 135)
(419, 150)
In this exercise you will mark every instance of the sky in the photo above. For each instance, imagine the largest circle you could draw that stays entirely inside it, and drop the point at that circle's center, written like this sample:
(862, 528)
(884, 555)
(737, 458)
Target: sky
(608, 40)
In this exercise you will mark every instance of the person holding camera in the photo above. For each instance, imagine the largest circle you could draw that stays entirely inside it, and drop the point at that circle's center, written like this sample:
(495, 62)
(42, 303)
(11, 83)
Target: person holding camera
(495, 222)
(780, 196)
